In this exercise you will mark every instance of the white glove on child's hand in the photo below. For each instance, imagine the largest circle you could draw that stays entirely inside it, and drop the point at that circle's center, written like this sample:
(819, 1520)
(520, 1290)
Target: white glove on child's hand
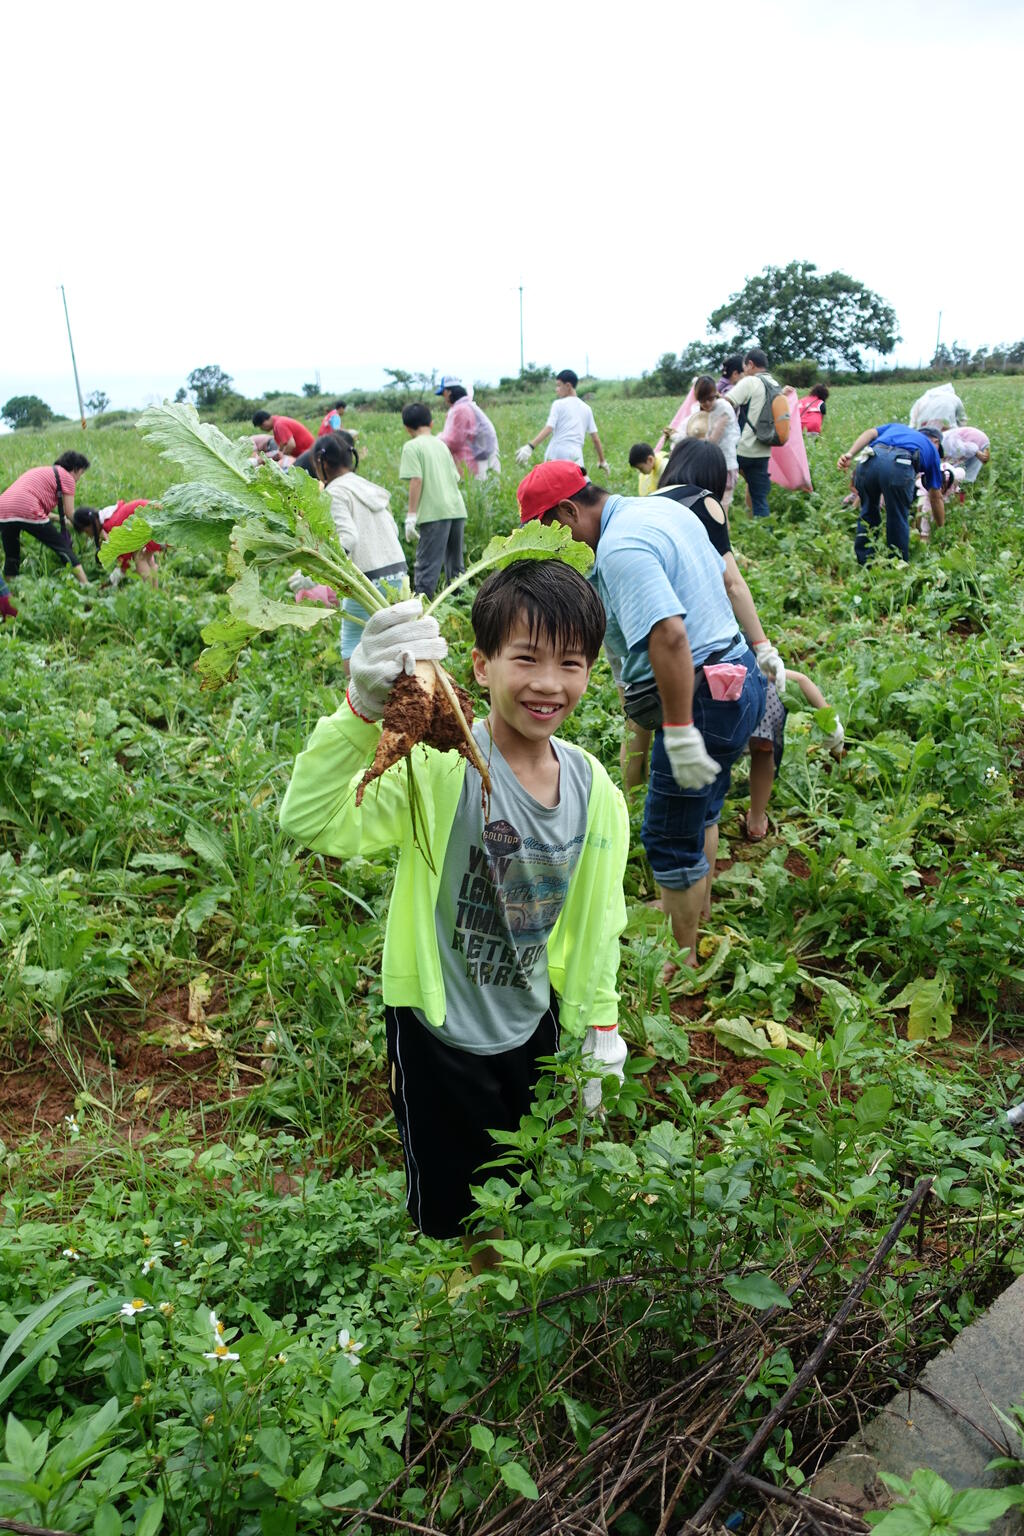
(771, 664)
(688, 758)
(834, 740)
(604, 1051)
(603, 464)
(394, 639)
(524, 454)
(411, 531)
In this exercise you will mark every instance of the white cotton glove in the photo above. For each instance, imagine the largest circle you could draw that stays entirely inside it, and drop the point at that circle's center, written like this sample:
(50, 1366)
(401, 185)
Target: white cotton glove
(298, 580)
(394, 639)
(411, 531)
(688, 758)
(524, 454)
(834, 740)
(603, 464)
(604, 1051)
(771, 664)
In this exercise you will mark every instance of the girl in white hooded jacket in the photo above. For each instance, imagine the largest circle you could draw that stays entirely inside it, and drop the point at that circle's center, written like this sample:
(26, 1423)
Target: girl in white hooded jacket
(366, 528)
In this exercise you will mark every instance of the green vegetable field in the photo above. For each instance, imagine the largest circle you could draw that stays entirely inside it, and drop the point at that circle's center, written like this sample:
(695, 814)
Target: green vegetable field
(217, 1316)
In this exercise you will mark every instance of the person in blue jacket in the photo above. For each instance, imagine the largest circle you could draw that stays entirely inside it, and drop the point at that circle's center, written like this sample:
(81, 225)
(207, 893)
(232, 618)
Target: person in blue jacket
(896, 455)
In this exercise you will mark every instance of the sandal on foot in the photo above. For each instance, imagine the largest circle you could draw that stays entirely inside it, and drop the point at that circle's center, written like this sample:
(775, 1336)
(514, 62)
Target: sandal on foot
(753, 837)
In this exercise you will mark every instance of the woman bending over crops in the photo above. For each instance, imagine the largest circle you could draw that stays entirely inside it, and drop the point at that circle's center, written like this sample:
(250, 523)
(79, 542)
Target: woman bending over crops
(26, 505)
(366, 528)
(510, 934)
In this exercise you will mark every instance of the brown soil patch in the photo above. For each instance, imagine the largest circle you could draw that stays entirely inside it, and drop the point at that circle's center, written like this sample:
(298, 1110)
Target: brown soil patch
(706, 1055)
(797, 865)
(132, 1077)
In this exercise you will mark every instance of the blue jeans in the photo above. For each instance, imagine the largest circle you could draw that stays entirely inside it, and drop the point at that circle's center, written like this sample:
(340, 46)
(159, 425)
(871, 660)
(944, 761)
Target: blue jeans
(755, 473)
(675, 820)
(889, 473)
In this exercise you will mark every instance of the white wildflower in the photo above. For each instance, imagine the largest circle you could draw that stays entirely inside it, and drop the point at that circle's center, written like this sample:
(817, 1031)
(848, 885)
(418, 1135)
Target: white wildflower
(131, 1309)
(70, 1253)
(348, 1345)
(221, 1354)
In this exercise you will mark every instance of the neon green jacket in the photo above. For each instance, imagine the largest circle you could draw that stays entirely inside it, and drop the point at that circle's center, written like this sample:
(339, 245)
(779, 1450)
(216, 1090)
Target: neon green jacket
(319, 809)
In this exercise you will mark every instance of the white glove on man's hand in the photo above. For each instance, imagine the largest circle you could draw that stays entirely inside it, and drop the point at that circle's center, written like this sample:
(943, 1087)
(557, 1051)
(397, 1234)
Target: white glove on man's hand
(603, 464)
(834, 740)
(394, 639)
(604, 1051)
(771, 664)
(411, 531)
(524, 454)
(688, 758)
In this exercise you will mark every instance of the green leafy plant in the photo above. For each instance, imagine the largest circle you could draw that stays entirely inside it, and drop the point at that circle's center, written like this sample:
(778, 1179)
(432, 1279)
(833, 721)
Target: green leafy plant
(932, 1508)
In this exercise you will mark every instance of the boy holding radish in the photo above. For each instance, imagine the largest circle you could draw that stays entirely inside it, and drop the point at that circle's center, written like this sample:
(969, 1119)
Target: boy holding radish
(509, 934)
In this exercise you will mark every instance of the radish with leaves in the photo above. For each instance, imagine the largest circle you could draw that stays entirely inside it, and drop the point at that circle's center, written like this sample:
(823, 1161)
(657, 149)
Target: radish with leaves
(268, 523)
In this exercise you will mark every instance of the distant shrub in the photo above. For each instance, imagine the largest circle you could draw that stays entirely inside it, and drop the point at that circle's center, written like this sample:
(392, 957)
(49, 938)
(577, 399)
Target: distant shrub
(802, 372)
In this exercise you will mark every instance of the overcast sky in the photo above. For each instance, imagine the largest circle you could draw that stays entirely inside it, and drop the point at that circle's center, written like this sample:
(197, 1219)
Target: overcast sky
(269, 189)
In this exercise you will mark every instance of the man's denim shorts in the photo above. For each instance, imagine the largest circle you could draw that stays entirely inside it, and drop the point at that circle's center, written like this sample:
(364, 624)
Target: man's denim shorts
(675, 819)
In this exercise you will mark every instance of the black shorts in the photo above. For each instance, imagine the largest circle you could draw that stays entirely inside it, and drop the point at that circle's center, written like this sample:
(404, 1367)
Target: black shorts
(446, 1103)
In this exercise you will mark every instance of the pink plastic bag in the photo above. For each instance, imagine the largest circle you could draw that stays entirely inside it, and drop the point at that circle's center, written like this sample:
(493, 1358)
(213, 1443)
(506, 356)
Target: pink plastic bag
(317, 594)
(788, 463)
(725, 680)
(687, 408)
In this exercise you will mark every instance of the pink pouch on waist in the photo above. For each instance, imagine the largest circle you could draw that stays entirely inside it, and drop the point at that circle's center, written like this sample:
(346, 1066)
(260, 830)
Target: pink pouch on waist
(725, 679)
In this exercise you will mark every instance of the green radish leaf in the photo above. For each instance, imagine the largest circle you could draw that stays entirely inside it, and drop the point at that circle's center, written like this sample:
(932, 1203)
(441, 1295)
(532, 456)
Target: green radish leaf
(197, 516)
(199, 447)
(126, 539)
(537, 541)
(226, 639)
(249, 604)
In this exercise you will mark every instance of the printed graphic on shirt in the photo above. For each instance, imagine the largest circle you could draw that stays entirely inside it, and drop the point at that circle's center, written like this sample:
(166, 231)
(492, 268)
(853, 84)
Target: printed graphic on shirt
(508, 902)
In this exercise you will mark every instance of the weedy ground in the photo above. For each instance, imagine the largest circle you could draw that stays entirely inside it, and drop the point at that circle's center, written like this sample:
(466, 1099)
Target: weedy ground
(193, 1109)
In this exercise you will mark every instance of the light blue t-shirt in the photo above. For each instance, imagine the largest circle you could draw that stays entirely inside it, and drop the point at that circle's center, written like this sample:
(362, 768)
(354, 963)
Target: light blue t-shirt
(655, 561)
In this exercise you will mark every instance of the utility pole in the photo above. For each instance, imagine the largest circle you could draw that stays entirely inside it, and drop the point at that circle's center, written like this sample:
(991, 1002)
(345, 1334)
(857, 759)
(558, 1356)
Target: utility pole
(74, 365)
(522, 356)
(938, 332)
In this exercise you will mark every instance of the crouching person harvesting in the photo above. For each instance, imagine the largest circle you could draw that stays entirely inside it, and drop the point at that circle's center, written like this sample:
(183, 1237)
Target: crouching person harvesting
(513, 936)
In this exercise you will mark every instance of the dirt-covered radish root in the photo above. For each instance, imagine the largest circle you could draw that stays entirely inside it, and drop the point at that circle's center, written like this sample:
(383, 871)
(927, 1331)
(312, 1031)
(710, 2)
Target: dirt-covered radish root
(419, 711)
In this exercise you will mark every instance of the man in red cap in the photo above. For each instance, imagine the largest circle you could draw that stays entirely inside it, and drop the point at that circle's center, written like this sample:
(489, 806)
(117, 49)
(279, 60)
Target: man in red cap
(688, 672)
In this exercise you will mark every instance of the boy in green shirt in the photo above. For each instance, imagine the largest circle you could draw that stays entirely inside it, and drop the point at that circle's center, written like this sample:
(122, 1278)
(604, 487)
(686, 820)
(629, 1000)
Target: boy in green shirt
(436, 519)
(513, 934)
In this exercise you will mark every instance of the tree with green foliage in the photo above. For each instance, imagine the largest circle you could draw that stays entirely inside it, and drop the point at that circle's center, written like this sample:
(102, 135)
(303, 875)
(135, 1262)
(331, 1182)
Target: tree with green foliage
(311, 390)
(181, 396)
(797, 311)
(97, 402)
(209, 384)
(26, 411)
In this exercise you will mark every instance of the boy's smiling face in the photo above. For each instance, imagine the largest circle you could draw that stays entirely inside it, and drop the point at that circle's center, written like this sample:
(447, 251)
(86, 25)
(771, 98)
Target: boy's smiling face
(534, 684)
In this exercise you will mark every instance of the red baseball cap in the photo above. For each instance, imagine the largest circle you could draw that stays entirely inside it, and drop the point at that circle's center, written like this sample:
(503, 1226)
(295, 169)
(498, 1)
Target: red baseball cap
(547, 485)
